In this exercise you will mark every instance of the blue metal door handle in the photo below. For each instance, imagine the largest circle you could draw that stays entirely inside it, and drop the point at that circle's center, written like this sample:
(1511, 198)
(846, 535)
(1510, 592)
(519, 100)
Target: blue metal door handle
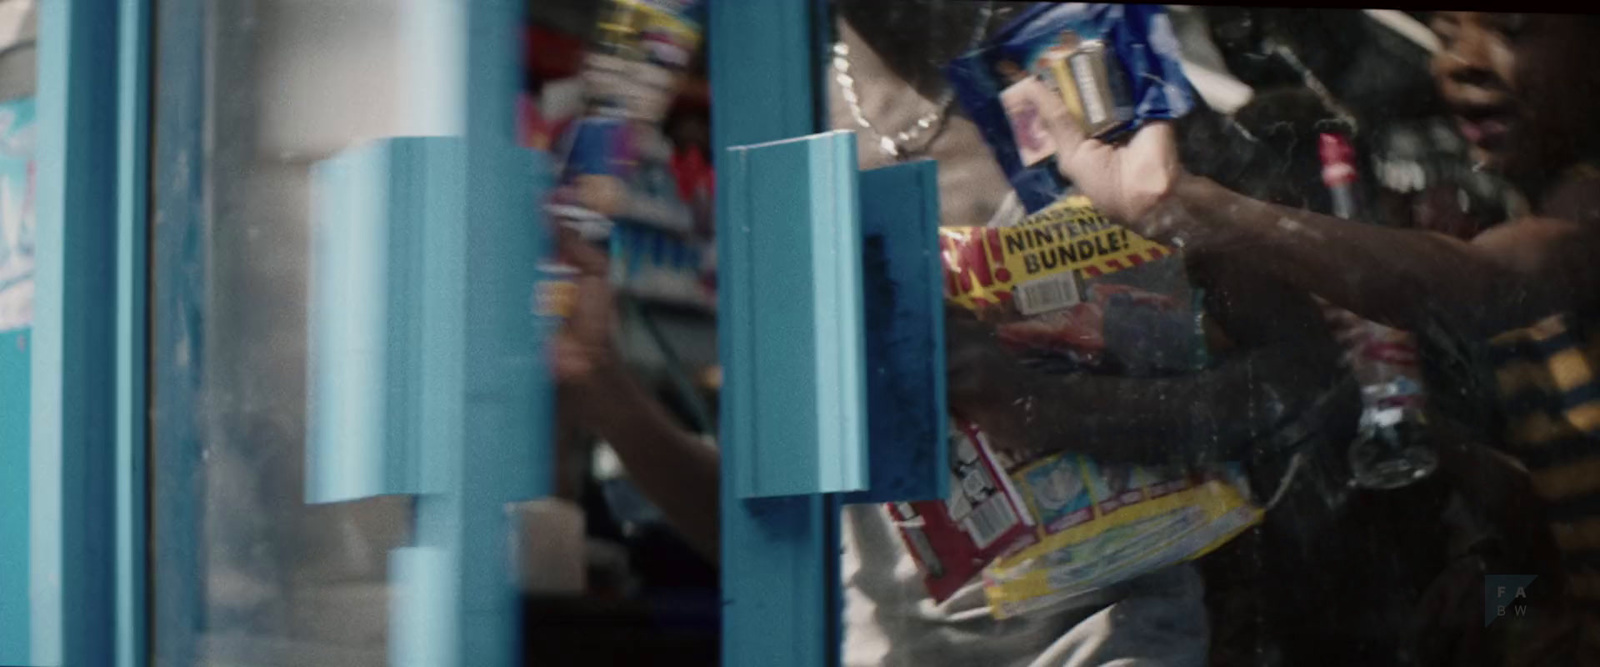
(832, 314)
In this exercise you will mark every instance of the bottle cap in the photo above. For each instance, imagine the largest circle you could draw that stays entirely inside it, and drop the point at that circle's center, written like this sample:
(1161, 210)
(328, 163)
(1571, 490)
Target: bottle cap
(1338, 160)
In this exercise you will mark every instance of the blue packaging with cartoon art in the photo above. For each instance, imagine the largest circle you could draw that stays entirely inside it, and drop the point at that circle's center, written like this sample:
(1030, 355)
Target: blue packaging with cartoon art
(1116, 67)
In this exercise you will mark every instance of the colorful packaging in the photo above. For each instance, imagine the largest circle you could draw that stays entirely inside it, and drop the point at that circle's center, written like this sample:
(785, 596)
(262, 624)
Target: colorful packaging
(1098, 525)
(622, 171)
(984, 518)
(1045, 529)
(556, 294)
(643, 48)
(614, 161)
(1070, 292)
(1115, 66)
(617, 182)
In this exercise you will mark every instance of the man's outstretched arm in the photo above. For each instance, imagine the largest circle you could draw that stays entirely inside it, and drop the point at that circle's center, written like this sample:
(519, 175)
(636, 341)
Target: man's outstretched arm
(1283, 364)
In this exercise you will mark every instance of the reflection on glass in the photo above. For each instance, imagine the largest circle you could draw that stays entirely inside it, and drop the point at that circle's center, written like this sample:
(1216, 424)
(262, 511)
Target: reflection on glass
(1375, 227)
(280, 582)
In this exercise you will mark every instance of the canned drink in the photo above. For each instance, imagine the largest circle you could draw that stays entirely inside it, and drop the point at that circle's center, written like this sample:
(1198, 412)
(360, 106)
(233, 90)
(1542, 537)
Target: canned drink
(1092, 83)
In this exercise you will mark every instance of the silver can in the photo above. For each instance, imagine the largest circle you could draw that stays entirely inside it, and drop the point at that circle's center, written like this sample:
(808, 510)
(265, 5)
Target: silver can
(1094, 85)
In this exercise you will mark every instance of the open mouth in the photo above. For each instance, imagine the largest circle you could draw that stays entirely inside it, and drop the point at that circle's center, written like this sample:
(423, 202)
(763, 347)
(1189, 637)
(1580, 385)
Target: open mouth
(1485, 126)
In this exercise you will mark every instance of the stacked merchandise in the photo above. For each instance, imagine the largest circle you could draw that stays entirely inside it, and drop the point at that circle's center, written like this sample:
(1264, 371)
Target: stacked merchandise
(630, 178)
(661, 267)
(625, 185)
(621, 178)
(552, 91)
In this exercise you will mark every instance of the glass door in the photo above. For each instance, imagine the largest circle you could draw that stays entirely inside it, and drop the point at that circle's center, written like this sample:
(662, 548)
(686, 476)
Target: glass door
(353, 455)
(347, 395)
(249, 97)
(1186, 448)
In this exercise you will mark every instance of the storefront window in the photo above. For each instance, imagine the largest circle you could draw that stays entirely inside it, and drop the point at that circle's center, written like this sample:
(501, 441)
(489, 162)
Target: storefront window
(1233, 384)
(246, 571)
(1270, 334)
(271, 579)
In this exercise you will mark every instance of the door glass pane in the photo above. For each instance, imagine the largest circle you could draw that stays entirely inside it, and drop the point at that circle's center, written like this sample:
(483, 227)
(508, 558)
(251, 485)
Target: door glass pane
(1197, 444)
(247, 573)
(273, 580)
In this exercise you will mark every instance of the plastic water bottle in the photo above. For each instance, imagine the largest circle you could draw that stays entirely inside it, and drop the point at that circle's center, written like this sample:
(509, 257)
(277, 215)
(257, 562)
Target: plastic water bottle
(1391, 449)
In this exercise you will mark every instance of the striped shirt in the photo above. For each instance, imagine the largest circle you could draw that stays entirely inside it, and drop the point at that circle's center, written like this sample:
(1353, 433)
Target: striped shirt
(1548, 376)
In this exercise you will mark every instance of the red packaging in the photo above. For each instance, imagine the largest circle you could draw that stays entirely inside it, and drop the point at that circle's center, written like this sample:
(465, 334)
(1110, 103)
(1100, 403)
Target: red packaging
(985, 519)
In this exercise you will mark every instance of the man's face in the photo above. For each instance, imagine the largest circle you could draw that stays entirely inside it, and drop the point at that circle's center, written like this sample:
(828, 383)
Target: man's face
(1511, 82)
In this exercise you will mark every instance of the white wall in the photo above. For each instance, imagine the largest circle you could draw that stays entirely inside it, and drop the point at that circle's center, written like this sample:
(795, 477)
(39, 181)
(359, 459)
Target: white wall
(327, 74)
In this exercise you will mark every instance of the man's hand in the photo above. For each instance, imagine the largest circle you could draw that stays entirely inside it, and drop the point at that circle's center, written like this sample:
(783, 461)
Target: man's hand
(1124, 181)
(675, 469)
(585, 347)
(985, 383)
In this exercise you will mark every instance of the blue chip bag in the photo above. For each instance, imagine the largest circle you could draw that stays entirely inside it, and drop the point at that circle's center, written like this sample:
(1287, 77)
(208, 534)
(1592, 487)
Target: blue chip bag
(1114, 65)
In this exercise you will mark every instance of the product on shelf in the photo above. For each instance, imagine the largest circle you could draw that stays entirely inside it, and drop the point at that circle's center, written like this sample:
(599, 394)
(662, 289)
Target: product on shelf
(622, 171)
(619, 180)
(552, 94)
(616, 160)
(643, 49)
(660, 267)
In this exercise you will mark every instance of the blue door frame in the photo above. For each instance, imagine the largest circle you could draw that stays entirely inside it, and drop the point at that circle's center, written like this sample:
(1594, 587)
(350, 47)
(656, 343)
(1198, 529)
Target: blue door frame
(831, 334)
(103, 268)
(830, 330)
(95, 291)
(84, 536)
(132, 321)
(777, 577)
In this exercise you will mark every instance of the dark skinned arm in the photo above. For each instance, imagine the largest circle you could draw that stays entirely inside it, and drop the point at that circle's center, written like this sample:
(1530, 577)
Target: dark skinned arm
(1410, 279)
(676, 470)
(1506, 277)
(1284, 361)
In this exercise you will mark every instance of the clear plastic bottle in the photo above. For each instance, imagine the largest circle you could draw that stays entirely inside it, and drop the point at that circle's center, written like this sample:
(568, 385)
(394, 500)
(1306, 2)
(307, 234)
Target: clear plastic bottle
(1391, 449)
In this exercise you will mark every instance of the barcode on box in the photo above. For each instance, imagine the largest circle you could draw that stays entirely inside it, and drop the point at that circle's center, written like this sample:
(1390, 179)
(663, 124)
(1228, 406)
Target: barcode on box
(990, 521)
(1046, 294)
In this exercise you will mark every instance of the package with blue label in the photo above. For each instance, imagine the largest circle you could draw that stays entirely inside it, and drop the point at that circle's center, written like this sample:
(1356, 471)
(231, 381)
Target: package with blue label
(615, 162)
(1115, 66)
(1074, 290)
